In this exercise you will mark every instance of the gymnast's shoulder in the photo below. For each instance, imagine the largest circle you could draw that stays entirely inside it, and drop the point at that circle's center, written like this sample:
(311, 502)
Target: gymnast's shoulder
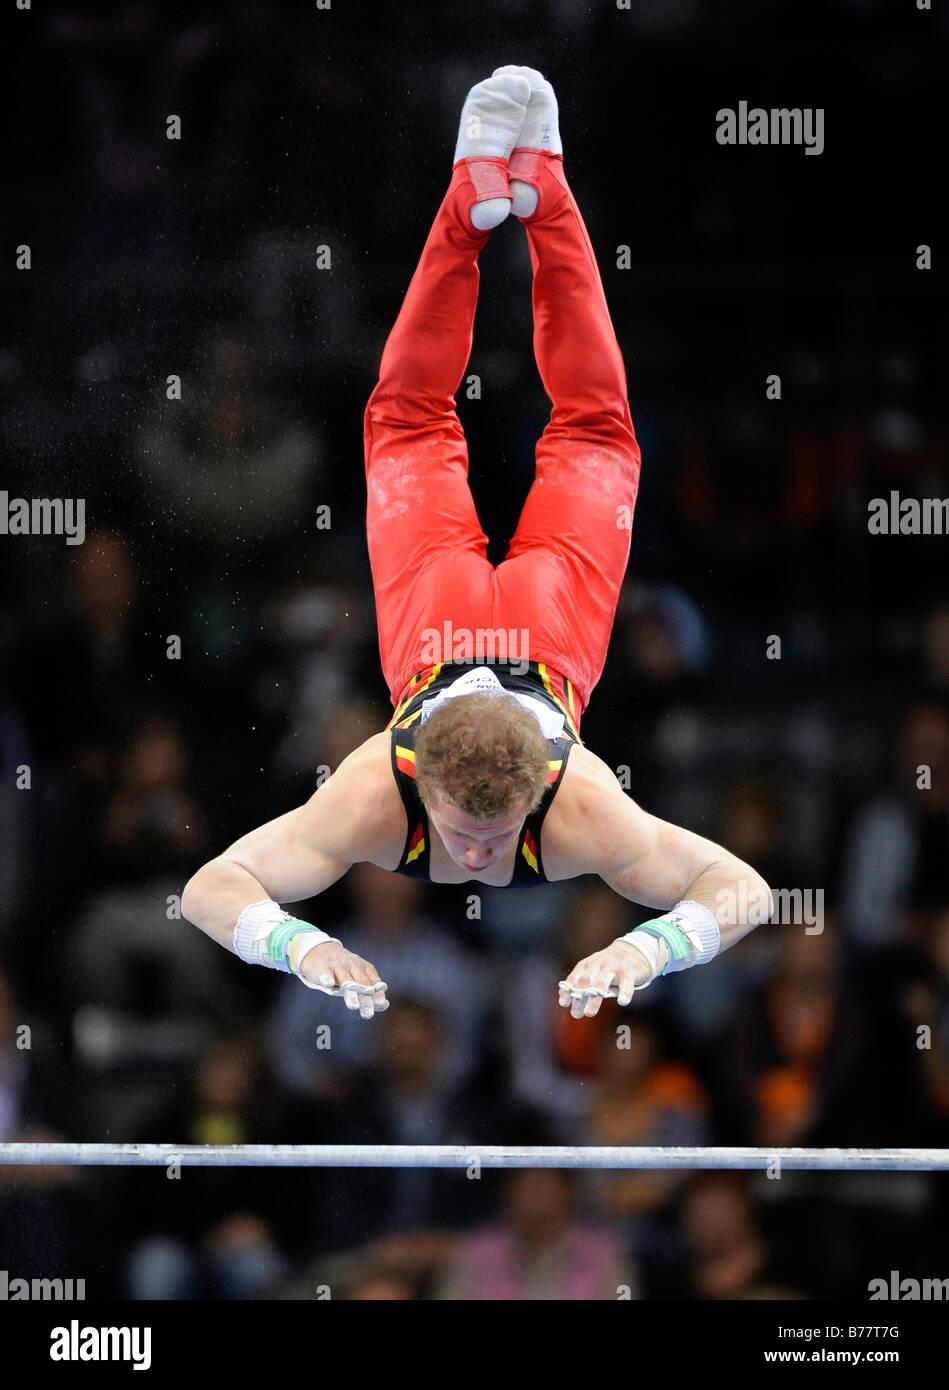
(591, 819)
(361, 802)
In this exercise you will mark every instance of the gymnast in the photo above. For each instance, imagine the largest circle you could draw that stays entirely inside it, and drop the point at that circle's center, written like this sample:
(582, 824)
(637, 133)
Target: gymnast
(481, 774)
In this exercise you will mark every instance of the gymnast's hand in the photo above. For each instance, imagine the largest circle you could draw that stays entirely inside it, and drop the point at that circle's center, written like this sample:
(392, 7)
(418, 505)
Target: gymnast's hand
(613, 973)
(332, 969)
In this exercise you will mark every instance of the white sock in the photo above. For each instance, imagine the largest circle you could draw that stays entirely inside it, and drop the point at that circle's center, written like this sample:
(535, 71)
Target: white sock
(491, 121)
(540, 131)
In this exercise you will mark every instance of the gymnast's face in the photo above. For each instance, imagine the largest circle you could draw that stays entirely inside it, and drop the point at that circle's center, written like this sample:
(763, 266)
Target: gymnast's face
(475, 844)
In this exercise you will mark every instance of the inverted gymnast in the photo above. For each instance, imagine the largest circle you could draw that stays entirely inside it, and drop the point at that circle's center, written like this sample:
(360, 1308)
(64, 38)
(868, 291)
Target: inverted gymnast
(481, 774)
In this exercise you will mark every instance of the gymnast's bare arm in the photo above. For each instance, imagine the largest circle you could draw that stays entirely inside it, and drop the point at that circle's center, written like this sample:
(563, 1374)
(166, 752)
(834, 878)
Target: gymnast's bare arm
(593, 827)
(355, 815)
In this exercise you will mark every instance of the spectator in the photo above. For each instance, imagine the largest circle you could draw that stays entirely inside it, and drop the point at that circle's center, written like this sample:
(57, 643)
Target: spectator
(554, 1057)
(807, 1059)
(642, 1096)
(408, 1100)
(215, 1233)
(726, 1254)
(42, 1213)
(227, 464)
(896, 847)
(541, 1249)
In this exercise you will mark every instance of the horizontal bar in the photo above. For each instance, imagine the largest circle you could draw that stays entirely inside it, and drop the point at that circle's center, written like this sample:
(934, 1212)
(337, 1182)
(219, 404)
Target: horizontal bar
(455, 1156)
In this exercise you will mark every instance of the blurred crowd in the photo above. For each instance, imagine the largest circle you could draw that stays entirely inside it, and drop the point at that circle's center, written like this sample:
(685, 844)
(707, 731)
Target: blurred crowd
(209, 652)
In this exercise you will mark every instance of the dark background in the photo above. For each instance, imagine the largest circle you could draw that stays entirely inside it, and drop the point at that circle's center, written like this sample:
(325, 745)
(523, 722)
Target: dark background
(304, 128)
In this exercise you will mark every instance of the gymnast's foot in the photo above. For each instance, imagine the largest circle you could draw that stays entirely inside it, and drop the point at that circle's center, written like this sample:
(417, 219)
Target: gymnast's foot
(540, 131)
(490, 126)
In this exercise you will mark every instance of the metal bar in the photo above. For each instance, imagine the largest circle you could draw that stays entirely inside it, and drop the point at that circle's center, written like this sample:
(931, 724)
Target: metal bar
(456, 1156)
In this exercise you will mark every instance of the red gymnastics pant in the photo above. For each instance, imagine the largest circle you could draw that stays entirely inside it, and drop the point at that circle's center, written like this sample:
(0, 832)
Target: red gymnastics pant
(561, 578)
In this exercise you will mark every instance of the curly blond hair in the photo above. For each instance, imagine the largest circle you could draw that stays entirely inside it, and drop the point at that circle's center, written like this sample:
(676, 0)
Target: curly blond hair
(485, 754)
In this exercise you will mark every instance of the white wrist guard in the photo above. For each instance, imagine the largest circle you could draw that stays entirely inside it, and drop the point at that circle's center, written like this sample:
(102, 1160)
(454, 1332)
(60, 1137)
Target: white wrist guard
(689, 933)
(265, 933)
